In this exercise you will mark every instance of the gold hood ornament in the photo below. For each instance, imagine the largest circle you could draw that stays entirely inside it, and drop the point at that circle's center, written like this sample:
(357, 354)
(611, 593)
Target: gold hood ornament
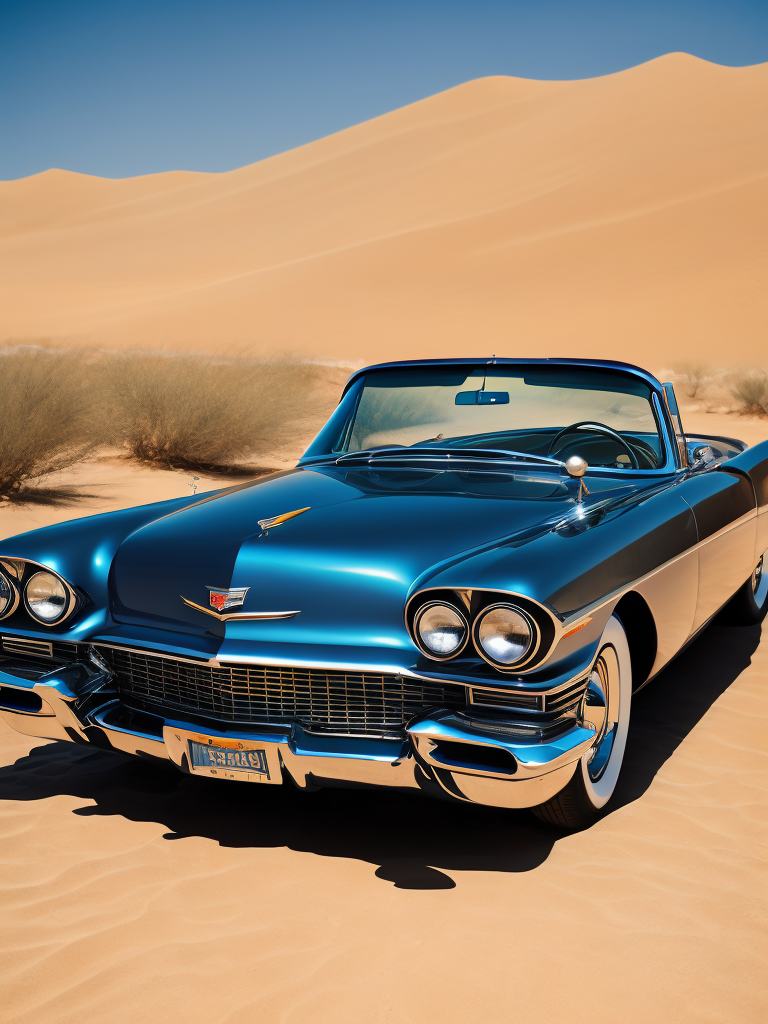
(269, 524)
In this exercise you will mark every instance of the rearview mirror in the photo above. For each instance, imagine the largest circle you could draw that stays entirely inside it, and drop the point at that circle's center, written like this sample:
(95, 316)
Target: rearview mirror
(482, 398)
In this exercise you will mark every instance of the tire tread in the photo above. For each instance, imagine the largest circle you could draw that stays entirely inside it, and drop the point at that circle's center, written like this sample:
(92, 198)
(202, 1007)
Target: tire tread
(569, 808)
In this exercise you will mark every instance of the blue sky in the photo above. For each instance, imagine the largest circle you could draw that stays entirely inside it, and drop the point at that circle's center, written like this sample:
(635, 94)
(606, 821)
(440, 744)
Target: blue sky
(116, 88)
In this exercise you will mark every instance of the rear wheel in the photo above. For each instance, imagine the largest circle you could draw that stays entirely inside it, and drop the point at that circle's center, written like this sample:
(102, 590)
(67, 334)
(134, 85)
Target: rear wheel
(606, 706)
(749, 604)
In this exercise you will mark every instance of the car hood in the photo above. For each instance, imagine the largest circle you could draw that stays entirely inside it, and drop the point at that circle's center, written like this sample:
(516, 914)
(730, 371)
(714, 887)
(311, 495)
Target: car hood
(346, 565)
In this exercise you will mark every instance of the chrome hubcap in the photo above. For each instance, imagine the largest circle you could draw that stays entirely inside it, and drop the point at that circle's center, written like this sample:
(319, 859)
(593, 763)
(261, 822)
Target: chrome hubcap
(600, 709)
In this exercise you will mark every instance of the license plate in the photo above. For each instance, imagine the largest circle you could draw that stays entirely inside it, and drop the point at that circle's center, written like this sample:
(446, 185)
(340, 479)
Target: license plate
(228, 760)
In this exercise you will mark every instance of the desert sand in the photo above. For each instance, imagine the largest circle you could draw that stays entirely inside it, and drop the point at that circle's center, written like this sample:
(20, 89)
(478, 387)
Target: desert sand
(134, 893)
(623, 216)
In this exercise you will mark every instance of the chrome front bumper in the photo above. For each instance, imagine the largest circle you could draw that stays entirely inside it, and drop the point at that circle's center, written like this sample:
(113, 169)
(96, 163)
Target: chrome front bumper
(447, 753)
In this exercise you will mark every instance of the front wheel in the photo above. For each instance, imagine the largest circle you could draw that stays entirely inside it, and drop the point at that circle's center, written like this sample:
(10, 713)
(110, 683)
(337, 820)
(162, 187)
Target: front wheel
(606, 705)
(749, 603)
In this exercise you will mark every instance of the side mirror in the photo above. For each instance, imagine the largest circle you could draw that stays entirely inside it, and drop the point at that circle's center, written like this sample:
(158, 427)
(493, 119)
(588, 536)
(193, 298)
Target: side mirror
(702, 455)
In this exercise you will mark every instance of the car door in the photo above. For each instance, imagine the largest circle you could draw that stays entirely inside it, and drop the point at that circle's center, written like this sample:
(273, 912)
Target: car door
(753, 462)
(725, 510)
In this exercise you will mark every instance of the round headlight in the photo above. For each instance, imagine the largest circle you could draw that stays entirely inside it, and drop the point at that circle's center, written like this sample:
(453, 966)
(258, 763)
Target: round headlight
(47, 597)
(441, 629)
(7, 595)
(505, 634)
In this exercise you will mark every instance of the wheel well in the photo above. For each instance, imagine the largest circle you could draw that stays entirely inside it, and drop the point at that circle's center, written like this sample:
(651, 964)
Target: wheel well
(637, 620)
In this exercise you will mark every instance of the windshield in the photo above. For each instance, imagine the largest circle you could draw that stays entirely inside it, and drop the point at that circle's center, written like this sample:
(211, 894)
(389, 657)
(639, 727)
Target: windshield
(605, 416)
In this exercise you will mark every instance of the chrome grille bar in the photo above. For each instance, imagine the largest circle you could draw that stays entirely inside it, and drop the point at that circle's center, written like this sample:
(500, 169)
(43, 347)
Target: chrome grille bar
(21, 645)
(341, 702)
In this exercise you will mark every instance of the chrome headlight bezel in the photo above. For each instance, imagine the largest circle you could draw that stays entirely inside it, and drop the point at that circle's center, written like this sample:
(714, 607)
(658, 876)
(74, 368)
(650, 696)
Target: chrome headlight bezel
(472, 603)
(427, 651)
(15, 597)
(70, 598)
(528, 654)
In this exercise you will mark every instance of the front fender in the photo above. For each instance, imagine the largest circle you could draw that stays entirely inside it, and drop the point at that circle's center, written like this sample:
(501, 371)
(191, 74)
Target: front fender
(580, 561)
(81, 551)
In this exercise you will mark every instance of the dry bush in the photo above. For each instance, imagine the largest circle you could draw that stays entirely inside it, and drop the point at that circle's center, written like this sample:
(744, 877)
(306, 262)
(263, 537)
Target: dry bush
(46, 415)
(750, 389)
(192, 412)
(693, 378)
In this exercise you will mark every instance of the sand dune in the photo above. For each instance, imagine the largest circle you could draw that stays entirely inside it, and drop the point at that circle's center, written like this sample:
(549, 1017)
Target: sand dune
(623, 216)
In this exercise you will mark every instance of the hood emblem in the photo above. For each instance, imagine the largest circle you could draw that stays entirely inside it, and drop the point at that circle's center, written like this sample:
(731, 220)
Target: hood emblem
(268, 524)
(223, 600)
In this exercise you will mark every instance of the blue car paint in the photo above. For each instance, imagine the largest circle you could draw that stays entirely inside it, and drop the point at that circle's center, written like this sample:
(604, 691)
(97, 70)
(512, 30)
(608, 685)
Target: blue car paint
(370, 539)
(348, 565)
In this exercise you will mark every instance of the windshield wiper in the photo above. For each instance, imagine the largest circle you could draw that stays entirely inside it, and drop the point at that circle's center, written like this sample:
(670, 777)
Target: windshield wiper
(396, 453)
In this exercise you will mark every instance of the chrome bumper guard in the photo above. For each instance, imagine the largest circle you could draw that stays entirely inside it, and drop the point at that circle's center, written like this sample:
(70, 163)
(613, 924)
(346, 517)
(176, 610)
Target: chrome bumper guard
(447, 753)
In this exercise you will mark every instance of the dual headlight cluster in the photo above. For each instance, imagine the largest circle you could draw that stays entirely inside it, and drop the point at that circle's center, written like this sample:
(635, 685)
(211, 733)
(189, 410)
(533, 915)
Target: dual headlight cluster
(504, 634)
(46, 597)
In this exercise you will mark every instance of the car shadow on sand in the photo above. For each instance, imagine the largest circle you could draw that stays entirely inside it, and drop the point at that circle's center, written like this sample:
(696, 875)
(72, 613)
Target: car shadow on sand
(409, 837)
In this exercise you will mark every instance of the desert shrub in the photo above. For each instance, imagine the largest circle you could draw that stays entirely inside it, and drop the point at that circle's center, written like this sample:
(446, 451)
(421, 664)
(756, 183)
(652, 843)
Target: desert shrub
(46, 415)
(750, 389)
(693, 379)
(192, 412)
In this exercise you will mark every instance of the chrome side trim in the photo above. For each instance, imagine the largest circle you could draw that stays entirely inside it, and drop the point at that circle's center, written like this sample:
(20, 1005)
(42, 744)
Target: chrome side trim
(570, 623)
(725, 562)
(741, 521)
(615, 595)
(581, 617)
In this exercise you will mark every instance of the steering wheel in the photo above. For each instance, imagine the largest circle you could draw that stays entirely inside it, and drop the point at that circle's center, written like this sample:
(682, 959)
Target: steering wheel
(595, 428)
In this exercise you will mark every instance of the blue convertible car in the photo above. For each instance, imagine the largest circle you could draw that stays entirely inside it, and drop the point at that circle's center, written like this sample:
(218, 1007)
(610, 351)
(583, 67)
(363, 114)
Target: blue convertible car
(458, 589)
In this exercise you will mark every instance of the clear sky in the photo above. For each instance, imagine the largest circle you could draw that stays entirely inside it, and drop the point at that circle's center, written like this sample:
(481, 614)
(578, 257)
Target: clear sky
(118, 88)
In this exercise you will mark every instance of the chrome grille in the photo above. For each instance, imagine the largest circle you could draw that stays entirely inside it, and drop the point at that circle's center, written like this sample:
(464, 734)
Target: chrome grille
(566, 699)
(63, 650)
(513, 700)
(20, 645)
(350, 703)
(558, 702)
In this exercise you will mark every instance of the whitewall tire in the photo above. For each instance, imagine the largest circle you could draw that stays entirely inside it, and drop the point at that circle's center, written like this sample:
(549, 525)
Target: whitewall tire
(749, 605)
(606, 706)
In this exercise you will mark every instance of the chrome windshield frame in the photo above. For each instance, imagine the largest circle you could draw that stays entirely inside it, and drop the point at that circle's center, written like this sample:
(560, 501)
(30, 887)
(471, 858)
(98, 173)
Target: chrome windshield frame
(342, 418)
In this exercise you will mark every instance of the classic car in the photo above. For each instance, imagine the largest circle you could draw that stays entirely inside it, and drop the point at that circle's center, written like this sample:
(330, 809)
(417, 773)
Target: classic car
(457, 590)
